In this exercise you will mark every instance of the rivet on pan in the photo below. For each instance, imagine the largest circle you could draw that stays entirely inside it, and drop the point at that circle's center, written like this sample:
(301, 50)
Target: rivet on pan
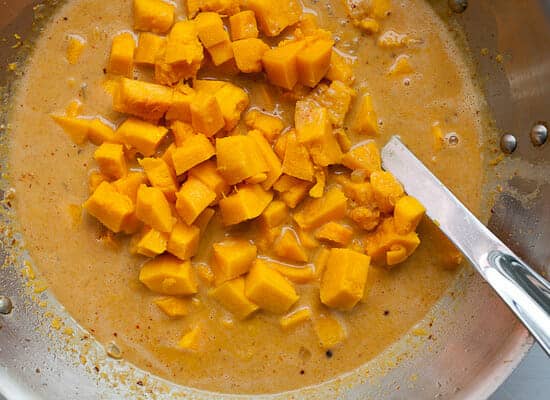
(5, 305)
(539, 134)
(458, 6)
(508, 143)
(114, 351)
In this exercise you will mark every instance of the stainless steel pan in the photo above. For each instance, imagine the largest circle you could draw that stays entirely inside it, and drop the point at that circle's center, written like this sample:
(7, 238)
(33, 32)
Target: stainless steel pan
(476, 342)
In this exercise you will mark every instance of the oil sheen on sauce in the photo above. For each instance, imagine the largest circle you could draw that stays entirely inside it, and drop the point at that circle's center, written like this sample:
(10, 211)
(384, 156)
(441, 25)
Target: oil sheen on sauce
(97, 282)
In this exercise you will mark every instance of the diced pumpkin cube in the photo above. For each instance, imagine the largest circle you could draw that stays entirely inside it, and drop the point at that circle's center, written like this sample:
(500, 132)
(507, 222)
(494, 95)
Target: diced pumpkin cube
(248, 202)
(141, 135)
(266, 236)
(174, 307)
(335, 233)
(359, 192)
(297, 317)
(407, 214)
(269, 289)
(111, 161)
(210, 29)
(151, 243)
(169, 275)
(280, 64)
(316, 212)
(208, 174)
(192, 199)
(344, 278)
(238, 158)
(233, 100)
(365, 157)
(313, 62)
(275, 214)
(272, 20)
(387, 190)
(232, 258)
(204, 219)
(193, 151)
(243, 25)
(270, 125)
(289, 248)
(311, 121)
(76, 128)
(221, 53)
(385, 237)
(182, 55)
(365, 120)
(274, 170)
(367, 218)
(329, 331)
(248, 54)
(336, 98)
(295, 274)
(292, 190)
(153, 209)
(181, 131)
(153, 16)
(183, 241)
(130, 184)
(160, 175)
(206, 114)
(142, 99)
(325, 151)
(180, 109)
(208, 85)
(280, 144)
(341, 68)
(99, 132)
(94, 180)
(231, 295)
(148, 48)
(110, 207)
(121, 60)
(296, 161)
(191, 340)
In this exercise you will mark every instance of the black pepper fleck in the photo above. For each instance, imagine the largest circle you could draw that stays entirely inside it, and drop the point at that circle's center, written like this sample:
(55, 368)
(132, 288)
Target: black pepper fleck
(329, 353)
(386, 312)
(104, 70)
(140, 383)
(302, 372)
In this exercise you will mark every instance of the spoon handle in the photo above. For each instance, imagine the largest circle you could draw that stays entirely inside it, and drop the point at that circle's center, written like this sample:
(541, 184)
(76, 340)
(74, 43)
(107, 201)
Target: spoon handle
(522, 289)
(526, 292)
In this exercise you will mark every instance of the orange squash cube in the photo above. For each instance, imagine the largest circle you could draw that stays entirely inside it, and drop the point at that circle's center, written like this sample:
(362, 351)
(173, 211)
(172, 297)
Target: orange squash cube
(332, 206)
(365, 157)
(289, 248)
(248, 202)
(269, 289)
(248, 54)
(208, 174)
(407, 214)
(272, 20)
(387, 190)
(232, 258)
(344, 278)
(210, 29)
(110, 207)
(153, 209)
(280, 64)
(160, 175)
(142, 99)
(238, 158)
(111, 161)
(192, 199)
(206, 114)
(141, 135)
(169, 275)
(193, 151)
(243, 25)
(313, 62)
(297, 162)
(121, 61)
(153, 15)
(335, 233)
(148, 48)
(231, 295)
(183, 241)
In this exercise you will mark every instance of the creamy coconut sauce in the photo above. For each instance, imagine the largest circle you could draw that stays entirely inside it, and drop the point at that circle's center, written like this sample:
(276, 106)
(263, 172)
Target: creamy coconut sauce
(97, 281)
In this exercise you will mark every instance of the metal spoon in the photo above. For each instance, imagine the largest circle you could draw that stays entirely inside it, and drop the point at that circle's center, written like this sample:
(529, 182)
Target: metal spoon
(526, 292)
